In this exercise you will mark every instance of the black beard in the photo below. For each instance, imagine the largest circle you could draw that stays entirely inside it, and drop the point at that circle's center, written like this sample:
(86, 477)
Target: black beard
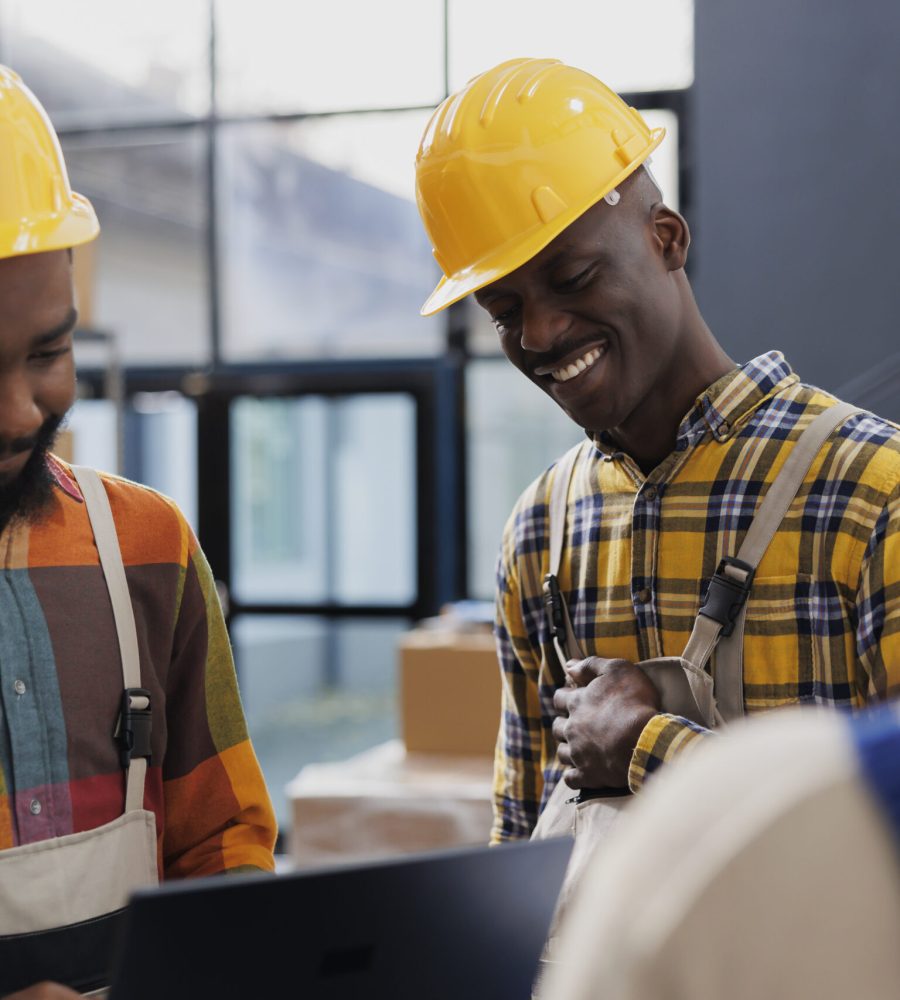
(27, 496)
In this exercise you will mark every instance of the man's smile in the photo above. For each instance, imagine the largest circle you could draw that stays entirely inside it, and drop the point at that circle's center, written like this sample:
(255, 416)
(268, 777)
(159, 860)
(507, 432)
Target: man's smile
(575, 364)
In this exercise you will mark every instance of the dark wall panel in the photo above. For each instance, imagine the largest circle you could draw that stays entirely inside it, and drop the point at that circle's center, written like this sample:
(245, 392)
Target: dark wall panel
(796, 215)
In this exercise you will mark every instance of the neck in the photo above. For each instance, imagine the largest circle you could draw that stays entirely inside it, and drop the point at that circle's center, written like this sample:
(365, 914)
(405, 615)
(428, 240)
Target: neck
(649, 434)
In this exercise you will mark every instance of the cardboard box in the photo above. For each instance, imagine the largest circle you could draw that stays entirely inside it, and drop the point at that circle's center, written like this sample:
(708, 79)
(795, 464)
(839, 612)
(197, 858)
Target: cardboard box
(386, 802)
(84, 267)
(449, 691)
(64, 445)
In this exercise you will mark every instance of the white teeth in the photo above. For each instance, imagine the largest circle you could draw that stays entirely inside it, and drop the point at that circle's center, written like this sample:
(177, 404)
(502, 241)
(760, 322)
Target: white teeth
(577, 366)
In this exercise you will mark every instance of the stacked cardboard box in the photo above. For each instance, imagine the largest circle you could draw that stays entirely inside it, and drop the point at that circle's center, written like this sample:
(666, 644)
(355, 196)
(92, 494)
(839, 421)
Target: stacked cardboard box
(431, 789)
(449, 691)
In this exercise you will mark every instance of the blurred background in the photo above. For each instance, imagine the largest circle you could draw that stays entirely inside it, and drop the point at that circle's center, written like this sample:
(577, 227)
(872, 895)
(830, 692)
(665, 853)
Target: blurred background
(251, 342)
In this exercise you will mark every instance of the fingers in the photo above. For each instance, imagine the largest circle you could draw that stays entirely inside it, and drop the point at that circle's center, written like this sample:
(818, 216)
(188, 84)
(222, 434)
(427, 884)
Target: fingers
(561, 699)
(573, 777)
(582, 672)
(559, 728)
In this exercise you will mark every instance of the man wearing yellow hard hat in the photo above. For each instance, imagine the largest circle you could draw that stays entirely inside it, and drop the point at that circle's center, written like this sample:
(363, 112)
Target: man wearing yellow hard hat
(680, 536)
(124, 756)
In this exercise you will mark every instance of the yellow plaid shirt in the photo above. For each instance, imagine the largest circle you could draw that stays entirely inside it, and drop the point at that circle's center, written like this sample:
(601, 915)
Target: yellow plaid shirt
(823, 616)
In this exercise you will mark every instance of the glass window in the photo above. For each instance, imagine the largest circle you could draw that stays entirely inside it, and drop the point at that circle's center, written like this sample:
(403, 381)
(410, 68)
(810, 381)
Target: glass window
(664, 162)
(147, 279)
(513, 432)
(324, 499)
(315, 690)
(159, 443)
(98, 61)
(342, 55)
(640, 45)
(325, 254)
(161, 447)
(93, 425)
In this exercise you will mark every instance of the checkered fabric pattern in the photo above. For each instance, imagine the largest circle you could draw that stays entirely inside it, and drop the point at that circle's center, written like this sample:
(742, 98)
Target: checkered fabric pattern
(61, 686)
(823, 619)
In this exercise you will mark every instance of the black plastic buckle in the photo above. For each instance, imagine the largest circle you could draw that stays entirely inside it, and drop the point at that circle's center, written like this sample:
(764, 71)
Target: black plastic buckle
(726, 596)
(134, 725)
(553, 603)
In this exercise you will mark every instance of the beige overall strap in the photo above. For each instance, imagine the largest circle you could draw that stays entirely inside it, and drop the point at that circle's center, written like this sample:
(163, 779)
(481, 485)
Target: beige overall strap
(106, 539)
(564, 640)
(729, 689)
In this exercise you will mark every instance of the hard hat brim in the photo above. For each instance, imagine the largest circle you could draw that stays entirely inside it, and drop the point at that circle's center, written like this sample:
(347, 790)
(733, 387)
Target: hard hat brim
(60, 232)
(452, 288)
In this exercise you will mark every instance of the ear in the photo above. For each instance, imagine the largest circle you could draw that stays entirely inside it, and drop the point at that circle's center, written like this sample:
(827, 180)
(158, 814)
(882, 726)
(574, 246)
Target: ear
(672, 235)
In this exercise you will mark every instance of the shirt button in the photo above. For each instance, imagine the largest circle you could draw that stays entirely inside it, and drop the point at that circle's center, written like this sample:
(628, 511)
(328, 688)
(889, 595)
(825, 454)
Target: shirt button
(35, 807)
(643, 596)
(650, 493)
(19, 687)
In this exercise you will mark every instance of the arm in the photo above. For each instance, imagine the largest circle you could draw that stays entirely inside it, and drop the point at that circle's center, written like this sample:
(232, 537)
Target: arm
(878, 606)
(218, 816)
(663, 738)
(518, 780)
(610, 730)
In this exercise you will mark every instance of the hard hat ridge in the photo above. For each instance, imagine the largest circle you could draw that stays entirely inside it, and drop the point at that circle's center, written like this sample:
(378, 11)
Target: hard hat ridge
(514, 157)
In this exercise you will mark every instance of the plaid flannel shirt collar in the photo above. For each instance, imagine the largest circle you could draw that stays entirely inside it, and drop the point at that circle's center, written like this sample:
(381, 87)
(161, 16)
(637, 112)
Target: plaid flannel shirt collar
(722, 407)
(63, 479)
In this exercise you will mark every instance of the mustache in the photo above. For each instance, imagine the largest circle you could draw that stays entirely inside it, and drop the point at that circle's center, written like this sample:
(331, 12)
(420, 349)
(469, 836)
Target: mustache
(42, 440)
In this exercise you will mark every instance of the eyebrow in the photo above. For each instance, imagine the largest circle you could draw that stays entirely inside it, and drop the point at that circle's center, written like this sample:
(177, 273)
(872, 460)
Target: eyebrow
(60, 330)
(576, 254)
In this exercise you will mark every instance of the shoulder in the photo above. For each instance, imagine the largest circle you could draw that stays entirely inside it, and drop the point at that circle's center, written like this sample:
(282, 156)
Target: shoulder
(151, 527)
(865, 448)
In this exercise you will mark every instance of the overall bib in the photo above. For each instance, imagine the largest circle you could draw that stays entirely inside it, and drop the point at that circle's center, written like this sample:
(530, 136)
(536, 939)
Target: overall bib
(60, 899)
(685, 683)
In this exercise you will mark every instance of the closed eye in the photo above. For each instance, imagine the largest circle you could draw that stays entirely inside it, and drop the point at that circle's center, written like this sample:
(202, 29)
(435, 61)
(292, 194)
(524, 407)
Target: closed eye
(575, 283)
(503, 320)
(48, 357)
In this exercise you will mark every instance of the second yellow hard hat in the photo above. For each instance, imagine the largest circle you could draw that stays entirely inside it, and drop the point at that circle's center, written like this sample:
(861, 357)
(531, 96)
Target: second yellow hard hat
(38, 209)
(513, 158)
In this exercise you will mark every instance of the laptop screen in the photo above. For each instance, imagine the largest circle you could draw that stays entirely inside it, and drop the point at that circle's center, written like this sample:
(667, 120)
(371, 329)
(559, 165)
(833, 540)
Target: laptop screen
(469, 922)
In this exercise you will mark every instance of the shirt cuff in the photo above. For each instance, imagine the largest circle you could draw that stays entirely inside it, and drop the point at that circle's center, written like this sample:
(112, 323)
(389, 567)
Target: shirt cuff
(664, 737)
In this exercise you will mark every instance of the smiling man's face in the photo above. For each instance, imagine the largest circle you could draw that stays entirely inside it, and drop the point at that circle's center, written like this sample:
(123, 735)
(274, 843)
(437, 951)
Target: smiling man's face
(595, 319)
(37, 373)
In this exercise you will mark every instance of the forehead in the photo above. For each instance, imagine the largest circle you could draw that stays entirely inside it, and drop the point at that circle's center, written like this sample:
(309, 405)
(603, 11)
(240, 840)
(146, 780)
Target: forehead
(597, 233)
(35, 295)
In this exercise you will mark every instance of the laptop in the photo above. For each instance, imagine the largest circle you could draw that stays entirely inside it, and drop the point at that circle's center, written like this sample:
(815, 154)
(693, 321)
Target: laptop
(468, 922)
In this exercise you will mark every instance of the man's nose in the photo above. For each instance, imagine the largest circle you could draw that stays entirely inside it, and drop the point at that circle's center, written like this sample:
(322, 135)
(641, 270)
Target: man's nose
(542, 326)
(20, 416)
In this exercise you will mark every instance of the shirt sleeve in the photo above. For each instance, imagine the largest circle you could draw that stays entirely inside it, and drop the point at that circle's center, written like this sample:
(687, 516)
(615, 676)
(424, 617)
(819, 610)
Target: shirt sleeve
(218, 815)
(518, 781)
(662, 739)
(878, 606)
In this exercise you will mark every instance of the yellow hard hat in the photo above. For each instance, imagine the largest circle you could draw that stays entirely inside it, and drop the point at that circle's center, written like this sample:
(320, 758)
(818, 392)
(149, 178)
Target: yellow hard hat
(513, 158)
(38, 209)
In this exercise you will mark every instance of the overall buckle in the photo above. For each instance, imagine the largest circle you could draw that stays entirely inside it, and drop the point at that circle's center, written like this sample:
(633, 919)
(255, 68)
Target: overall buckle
(727, 593)
(553, 604)
(133, 728)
